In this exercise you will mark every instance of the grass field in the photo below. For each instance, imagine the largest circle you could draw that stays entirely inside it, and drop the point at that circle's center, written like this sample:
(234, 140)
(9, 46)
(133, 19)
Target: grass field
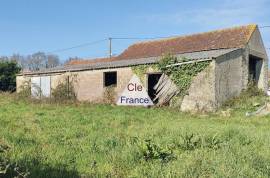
(83, 140)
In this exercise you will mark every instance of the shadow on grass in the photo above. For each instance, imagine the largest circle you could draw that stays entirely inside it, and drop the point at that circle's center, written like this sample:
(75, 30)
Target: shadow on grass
(39, 170)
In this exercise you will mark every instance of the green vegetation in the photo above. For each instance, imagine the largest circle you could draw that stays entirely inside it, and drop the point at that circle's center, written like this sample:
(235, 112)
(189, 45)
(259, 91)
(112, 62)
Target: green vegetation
(65, 91)
(8, 71)
(181, 75)
(73, 140)
(109, 95)
(141, 70)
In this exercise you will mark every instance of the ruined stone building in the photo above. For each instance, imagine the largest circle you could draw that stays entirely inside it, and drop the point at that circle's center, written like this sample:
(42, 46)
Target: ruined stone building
(237, 55)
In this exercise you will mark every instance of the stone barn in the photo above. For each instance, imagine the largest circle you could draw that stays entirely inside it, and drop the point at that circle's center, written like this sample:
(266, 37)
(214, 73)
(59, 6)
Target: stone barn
(237, 55)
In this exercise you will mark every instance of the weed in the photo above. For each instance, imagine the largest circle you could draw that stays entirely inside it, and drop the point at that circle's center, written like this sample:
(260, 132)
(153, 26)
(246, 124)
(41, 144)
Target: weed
(189, 142)
(109, 95)
(152, 151)
(24, 91)
(65, 90)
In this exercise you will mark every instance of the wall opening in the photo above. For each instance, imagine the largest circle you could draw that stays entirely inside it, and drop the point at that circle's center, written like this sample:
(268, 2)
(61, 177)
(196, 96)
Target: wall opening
(255, 67)
(110, 79)
(152, 80)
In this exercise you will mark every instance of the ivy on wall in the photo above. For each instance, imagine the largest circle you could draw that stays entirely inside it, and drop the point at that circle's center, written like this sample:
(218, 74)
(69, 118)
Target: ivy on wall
(141, 70)
(181, 75)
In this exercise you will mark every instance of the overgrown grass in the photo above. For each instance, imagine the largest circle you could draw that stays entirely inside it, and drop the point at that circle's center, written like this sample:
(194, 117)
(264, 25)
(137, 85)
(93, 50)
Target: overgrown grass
(84, 140)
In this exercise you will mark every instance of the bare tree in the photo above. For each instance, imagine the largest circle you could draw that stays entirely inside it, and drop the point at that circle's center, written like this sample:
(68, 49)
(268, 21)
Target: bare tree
(52, 61)
(4, 58)
(20, 60)
(34, 62)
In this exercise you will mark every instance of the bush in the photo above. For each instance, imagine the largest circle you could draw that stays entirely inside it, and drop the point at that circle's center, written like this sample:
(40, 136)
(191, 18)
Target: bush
(25, 90)
(109, 95)
(8, 71)
(249, 99)
(64, 91)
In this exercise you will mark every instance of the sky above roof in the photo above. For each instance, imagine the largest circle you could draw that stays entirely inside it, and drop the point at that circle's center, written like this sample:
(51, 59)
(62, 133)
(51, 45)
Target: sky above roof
(37, 25)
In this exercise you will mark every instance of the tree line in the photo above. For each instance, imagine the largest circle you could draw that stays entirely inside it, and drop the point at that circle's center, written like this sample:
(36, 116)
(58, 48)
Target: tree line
(10, 66)
(36, 61)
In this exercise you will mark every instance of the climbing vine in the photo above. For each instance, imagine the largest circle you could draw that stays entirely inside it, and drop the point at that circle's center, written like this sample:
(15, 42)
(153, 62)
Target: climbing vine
(141, 70)
(181, 75)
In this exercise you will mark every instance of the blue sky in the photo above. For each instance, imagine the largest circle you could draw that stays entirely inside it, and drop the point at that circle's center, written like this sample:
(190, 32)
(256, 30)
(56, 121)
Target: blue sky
(29, 26)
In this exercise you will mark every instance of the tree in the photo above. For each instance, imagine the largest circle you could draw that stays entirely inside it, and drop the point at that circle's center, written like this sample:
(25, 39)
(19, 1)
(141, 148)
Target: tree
(36, 61)
(52, 61)
(4, 58)
(20, 60)
(8, 71)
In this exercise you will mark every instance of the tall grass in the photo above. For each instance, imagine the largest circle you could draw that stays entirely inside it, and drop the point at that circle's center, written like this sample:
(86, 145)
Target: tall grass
(84, 140)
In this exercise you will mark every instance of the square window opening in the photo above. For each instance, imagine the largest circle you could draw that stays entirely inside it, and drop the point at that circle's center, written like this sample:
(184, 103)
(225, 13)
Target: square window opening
(110, 79)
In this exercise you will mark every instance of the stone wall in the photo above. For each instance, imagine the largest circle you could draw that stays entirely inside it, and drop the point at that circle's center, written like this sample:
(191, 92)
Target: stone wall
(20, 81)
(89, 85)
(256, 47)
(229, 76)
(201, 94)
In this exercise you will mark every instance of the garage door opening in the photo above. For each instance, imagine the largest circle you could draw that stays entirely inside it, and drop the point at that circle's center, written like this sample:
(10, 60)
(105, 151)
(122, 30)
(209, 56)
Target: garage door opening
(255, 67)
(152, 81)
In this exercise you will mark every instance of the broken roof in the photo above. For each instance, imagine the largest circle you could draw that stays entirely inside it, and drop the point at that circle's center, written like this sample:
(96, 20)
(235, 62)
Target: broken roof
(231, 38)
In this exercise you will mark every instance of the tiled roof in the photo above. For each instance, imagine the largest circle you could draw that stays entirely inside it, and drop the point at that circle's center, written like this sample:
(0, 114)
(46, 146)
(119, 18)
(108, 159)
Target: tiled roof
(236, 37)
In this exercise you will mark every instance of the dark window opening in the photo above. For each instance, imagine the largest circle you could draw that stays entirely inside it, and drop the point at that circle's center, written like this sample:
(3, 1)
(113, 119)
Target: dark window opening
(152, 81)
(110, 79)
(255, 66)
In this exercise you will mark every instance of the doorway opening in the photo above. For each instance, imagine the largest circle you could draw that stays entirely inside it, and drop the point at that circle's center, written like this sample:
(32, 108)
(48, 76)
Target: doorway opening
(152, 80)
(254, 67)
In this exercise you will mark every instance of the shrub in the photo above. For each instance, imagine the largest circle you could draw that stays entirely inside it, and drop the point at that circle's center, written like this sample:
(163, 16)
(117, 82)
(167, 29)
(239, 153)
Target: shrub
(249, 99)
(25, 90)
(8, 71)
(64, 91)
(109, 95)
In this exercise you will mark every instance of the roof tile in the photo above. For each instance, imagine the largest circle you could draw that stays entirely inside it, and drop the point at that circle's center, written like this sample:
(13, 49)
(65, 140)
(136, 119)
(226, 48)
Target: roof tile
(236, 37)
